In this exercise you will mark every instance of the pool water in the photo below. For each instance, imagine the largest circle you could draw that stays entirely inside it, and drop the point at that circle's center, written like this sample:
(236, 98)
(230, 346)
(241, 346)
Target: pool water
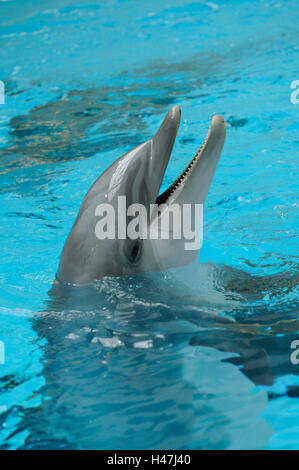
(196, 357)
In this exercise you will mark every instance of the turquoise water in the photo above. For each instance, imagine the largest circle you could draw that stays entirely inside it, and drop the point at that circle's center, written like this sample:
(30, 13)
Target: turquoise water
(197, 357)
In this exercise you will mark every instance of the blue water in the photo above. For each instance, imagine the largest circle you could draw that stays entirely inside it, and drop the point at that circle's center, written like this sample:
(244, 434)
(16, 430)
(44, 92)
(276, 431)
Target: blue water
(197, 357)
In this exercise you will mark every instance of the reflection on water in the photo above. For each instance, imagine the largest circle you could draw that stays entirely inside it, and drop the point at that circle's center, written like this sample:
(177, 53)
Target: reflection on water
(153, 354)
(121, 348)
(81, 123)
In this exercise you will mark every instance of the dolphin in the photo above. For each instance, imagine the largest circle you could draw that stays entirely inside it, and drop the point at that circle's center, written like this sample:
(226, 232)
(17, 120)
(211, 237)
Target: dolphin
(138, 176)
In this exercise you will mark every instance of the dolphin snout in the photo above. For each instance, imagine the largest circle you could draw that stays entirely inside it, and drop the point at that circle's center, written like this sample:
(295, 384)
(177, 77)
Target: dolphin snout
(216, 134)
(175, 113)
(218, 119)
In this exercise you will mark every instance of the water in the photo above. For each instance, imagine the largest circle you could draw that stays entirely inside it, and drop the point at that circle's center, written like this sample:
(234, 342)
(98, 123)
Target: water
(198, 357)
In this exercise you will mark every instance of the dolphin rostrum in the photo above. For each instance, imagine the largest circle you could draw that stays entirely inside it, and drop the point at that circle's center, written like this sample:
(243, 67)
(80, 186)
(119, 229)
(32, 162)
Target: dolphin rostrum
(138, 176)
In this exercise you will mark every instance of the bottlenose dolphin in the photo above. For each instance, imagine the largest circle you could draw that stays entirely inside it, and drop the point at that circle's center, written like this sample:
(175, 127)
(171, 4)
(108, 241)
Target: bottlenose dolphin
(138, 176)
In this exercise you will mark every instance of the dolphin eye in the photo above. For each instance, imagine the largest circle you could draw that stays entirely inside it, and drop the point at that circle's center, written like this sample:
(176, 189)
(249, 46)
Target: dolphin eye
(134, 251)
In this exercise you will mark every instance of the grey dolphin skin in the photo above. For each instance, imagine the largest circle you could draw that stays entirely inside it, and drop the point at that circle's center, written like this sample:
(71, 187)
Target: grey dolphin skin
(138, 176)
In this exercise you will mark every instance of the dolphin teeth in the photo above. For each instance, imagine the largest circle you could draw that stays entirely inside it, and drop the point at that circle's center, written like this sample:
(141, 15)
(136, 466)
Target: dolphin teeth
(164, 196)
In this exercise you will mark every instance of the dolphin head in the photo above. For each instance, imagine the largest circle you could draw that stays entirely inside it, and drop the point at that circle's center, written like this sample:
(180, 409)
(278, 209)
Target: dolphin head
(107, 239)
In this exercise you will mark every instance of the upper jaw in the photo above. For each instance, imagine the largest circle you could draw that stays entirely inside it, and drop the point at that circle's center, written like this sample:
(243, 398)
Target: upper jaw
(161, 147)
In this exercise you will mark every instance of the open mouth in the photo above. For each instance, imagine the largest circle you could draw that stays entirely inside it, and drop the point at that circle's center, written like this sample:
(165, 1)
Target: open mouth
(163, 198)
